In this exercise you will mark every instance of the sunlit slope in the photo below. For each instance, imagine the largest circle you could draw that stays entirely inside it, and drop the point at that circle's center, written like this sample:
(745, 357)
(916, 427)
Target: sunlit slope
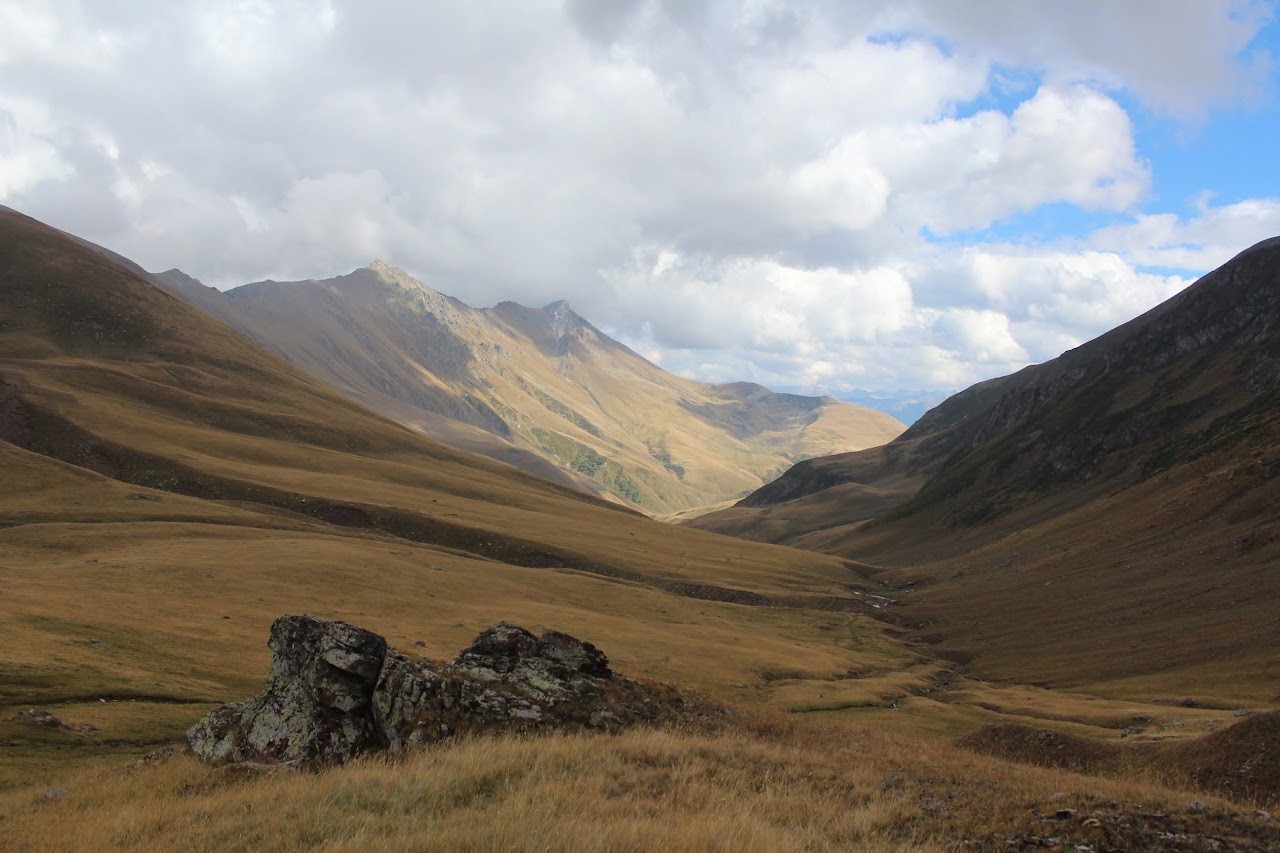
(541, 388)
(105, 370)
(171, 487)
(1107, 515)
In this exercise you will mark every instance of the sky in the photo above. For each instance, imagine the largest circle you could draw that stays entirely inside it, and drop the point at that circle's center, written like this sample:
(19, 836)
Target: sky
(817, 196)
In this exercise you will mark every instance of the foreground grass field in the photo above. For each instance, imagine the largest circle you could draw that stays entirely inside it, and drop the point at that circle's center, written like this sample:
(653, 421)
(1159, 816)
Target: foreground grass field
(765, 784)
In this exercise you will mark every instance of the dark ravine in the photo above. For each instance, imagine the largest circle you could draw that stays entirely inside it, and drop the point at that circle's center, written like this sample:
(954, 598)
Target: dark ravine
(335, 691)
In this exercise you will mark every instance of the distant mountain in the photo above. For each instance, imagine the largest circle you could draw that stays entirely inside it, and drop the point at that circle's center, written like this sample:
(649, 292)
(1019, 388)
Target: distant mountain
(907, 405)
(1135, 475)
(539, 388)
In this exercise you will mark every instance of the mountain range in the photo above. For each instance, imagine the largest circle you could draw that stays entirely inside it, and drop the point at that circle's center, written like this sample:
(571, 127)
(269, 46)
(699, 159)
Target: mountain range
(1120, 496)
(1072, 566)
(539, 388)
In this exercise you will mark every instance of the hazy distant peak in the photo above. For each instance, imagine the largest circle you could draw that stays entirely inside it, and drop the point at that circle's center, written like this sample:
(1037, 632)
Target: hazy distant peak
(563, 318)
(405, 291)
(177, 275)
(395, 276)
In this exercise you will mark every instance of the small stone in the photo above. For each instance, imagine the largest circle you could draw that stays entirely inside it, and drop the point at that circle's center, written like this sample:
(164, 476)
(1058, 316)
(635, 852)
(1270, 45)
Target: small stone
(1091, 821)
(52, 795)
(40, 717)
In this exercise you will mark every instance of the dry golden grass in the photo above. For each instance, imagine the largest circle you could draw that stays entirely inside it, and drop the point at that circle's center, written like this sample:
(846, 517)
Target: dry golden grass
(770, 785)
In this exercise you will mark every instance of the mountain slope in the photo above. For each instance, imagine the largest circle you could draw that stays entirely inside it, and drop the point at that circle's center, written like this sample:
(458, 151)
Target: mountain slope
(1131, 477)
(539, 388)
(171, 487)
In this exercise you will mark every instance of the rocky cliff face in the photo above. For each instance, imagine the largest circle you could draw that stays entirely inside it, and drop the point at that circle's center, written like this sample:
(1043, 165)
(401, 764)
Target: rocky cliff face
(335, 691)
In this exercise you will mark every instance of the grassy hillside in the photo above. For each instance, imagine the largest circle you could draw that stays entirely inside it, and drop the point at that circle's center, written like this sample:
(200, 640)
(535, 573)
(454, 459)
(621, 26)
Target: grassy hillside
(171, 488)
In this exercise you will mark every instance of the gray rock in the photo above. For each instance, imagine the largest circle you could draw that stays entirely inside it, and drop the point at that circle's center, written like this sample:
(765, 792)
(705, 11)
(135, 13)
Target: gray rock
(39, 717)
(335, 691)
(508, 679)
(316, 707)
(405, 687)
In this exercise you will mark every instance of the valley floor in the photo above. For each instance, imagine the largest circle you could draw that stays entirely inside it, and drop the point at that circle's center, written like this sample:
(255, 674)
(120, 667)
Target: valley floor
(127, 628)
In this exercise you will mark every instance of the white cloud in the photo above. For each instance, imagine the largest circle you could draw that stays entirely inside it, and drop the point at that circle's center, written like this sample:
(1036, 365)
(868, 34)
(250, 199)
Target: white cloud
(1073, 145)
(1202, 242)
(1180, 55)
(740, 188)
(28, 156)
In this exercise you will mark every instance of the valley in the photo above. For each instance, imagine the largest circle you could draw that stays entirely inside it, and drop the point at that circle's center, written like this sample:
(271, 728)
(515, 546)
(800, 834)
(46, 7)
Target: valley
(873, 625)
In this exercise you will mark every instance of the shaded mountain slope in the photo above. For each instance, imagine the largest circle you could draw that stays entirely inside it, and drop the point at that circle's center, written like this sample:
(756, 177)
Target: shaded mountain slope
(829, 493)
(1120, 497)
(540, 388)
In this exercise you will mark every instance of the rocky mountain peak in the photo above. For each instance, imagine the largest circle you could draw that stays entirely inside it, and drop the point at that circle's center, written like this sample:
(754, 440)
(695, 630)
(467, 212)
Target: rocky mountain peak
(408, 293)
(562, 318)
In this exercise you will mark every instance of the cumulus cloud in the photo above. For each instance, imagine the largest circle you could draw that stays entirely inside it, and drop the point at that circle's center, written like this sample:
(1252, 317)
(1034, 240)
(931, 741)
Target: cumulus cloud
(745, 190)
(1204, 241)
(1178, 54)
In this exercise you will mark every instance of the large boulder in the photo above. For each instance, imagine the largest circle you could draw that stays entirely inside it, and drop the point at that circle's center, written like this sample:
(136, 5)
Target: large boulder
(316, 707)
(335, 691)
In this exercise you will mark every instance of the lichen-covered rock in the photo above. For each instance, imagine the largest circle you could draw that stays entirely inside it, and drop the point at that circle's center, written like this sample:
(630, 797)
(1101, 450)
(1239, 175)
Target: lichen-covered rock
(511, 680)
(316, 707)
(404, 688)
(335, 691)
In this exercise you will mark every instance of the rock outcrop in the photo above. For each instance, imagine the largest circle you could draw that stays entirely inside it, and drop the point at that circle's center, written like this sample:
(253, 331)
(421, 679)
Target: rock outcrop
(335, 691)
